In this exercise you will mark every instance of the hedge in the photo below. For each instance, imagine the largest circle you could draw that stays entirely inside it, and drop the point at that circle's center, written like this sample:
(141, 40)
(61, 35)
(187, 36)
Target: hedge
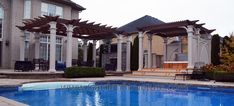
(220, 76)
(78, 72)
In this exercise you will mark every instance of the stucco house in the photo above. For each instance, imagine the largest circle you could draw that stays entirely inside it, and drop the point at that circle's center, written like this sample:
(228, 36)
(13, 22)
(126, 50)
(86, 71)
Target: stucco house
(14, 12)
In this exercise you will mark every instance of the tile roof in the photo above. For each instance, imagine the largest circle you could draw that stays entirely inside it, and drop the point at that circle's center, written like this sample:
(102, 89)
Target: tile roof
(138, 23)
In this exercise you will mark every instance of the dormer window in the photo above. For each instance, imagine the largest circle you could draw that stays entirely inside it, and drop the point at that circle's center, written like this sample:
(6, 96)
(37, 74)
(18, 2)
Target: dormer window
(51, 10)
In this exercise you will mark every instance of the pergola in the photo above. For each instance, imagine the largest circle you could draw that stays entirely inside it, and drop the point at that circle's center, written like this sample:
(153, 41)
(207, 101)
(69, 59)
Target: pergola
(53, 26)
(196, 33)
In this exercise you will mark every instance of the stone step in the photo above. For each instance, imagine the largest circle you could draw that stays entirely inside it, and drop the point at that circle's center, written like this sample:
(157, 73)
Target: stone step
(152, 73)
(3, 76)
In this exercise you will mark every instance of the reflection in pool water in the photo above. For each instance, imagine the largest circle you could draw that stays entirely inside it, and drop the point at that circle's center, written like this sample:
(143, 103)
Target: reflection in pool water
(125, 94)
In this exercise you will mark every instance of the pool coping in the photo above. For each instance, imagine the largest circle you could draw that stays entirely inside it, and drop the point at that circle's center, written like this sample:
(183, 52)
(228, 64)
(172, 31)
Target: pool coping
(178, 82)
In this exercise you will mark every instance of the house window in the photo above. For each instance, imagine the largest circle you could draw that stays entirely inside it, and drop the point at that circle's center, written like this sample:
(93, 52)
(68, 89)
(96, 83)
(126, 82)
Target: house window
(45, 48)
(26, 45)
(27, 9)
(51, 10)
(1, 22)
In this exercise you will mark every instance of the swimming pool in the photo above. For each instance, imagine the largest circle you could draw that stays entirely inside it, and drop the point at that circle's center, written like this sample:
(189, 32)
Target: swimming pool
(121, 93)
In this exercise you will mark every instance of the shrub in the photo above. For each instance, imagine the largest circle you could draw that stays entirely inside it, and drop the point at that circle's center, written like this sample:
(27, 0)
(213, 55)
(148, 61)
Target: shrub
(78, 72)
(224, 76)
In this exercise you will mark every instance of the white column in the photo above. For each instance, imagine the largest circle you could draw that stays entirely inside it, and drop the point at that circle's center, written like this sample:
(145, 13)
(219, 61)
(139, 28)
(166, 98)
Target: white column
(209, 48)
(52, 46)
(85, 49)
(154, 61)
(198, 49)
(22, 47)
(190, 32)
(149, 51)
(69, 45)
(165, 49)
(119, 54)
(128, 54)
(94, 53)
(140, 36)
(37, 46)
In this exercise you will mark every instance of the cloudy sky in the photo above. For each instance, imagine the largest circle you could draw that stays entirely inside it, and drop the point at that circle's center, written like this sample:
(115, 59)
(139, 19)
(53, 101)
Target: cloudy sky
(217, 14)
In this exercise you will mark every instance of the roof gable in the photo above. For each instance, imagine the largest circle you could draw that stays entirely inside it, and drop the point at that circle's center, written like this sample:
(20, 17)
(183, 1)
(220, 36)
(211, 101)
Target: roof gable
(138, 23)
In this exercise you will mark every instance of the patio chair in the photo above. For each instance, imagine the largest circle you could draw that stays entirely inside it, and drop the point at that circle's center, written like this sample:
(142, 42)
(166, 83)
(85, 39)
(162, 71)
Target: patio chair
(24, 66)
(197, 73)
(43, 65)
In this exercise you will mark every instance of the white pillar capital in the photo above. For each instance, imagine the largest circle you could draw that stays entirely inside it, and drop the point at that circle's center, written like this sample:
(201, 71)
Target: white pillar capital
(52, 25)
(129, 39)
(85, 41)
(190, 29)
(149, 37)
(140, 34)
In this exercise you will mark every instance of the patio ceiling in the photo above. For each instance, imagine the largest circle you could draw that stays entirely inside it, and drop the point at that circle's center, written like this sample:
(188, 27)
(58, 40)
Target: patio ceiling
(173, 29)
(83, 29)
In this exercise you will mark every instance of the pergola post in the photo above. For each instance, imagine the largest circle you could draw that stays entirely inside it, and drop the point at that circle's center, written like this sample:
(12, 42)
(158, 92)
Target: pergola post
(94, 53)
(209, 48)
(37, 46)
(165, 49)
(69, 45)
(52, 46)
(119, 53)
(85, 50)
(149, 51)
(22, 46)
(140, 36)
(128, 54)
(191, 53)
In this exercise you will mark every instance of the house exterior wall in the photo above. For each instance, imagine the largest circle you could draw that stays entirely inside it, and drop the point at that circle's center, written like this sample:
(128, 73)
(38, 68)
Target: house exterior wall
(14, 15)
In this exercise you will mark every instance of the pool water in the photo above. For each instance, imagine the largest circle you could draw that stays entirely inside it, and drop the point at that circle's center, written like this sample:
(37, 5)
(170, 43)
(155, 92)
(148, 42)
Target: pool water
(124, 93)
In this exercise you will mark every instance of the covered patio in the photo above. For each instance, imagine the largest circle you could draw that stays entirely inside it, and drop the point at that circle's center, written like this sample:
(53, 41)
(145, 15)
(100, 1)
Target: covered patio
(198, 40)
(53, 26)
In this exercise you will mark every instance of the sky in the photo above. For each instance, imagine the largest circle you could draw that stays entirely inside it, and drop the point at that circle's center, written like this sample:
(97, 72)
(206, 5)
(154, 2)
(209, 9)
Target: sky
(217, 14)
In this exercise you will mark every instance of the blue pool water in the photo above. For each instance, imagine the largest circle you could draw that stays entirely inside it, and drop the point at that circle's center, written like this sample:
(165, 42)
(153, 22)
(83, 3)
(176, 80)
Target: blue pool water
(123, 93)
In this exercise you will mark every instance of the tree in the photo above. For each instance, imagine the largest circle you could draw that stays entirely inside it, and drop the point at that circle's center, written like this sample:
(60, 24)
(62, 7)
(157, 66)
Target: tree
(227, 56)
(90, 52)
(135, 54)
(215, 50)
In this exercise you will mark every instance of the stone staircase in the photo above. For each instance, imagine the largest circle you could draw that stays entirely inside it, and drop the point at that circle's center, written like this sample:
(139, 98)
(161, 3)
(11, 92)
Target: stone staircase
(160, 72)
